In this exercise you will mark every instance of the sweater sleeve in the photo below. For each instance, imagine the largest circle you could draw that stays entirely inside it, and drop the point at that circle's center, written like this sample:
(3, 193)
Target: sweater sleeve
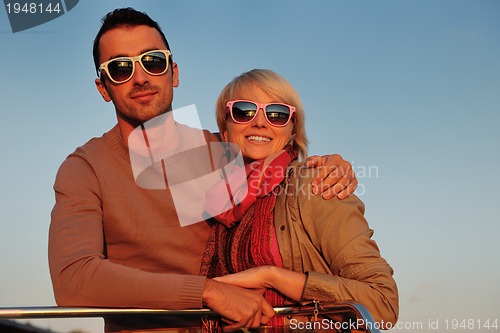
(341, 234)
(81, 273)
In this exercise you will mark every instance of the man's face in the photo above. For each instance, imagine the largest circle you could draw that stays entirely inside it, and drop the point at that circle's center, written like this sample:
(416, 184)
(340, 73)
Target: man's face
(144, 96)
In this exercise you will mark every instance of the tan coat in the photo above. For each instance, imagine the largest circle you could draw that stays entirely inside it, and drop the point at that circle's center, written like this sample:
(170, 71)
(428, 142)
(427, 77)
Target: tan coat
(331, 240)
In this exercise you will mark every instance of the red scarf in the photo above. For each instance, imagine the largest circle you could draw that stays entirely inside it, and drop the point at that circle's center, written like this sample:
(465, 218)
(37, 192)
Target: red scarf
(232, 246)
(262, 177)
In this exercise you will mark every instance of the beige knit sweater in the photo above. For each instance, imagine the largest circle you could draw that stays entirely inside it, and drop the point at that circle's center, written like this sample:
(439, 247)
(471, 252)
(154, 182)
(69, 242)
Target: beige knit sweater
(114, 244)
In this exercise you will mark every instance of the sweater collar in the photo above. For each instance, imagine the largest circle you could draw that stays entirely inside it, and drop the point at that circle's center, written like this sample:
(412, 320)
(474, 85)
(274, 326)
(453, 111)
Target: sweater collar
(114, 139)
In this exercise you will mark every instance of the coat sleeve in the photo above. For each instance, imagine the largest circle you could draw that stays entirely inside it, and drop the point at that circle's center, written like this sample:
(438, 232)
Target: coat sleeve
(339, 231)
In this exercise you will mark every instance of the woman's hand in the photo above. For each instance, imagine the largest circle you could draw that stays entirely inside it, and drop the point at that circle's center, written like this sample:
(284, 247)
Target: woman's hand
(335, 176)
(287, 282)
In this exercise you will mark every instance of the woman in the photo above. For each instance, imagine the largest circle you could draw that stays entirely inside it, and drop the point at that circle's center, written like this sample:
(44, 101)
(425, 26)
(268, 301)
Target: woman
(297, 246)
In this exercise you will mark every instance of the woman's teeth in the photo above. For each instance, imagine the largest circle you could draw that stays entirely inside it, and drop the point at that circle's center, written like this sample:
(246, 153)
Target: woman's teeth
(258, 138)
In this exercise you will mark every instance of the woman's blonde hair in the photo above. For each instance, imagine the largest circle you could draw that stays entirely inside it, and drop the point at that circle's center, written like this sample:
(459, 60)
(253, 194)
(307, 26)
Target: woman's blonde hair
(277, 88)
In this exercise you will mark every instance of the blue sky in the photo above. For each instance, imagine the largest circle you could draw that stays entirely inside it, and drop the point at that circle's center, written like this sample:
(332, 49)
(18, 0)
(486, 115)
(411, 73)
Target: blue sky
(409, 91)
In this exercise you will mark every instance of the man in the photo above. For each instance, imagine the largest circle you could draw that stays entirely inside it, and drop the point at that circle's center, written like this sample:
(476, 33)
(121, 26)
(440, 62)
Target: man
(114, 244)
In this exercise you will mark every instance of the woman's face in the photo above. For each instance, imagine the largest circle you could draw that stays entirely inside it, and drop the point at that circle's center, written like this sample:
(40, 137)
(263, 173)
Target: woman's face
(257, 139)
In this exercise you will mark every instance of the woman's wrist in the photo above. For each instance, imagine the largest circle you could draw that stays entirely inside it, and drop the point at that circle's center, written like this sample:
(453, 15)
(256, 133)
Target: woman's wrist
(287, 282)
(272, 276)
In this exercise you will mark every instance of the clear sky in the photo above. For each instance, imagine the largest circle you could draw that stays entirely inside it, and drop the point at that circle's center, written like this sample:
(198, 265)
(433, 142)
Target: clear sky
(409, 91)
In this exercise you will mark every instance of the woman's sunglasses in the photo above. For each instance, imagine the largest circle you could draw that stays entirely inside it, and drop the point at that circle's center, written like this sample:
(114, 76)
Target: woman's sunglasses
(121, 69)
(277, 114)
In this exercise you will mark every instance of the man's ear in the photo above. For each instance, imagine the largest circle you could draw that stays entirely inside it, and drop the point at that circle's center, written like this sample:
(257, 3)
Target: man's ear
(175, 75)
(224, 136)
(101, 88)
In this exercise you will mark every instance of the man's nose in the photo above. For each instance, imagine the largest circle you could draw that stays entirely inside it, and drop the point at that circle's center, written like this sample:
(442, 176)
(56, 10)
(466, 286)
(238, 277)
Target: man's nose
(140, 75)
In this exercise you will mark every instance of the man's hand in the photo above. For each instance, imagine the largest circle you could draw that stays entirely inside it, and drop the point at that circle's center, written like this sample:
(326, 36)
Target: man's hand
(238, 306)
(335, 176)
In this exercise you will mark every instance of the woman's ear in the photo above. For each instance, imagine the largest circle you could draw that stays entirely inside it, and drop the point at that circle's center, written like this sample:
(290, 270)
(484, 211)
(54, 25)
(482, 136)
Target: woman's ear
(224, 136)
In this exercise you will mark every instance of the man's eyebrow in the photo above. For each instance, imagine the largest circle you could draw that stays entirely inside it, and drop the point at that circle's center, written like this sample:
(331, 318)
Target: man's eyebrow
(123, 55)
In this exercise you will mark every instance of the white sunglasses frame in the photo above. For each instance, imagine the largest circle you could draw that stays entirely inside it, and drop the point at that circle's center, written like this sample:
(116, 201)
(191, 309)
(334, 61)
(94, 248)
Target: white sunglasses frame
(104, 65)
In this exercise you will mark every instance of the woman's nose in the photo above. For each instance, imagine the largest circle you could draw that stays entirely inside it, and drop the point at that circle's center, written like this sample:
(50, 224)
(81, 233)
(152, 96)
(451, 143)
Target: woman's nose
(260, 119)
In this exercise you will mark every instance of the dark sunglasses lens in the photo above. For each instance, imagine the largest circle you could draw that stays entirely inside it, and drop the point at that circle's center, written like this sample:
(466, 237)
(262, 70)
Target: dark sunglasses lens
(120, 70)
(244, 112)
(278, 114)
(154, 62)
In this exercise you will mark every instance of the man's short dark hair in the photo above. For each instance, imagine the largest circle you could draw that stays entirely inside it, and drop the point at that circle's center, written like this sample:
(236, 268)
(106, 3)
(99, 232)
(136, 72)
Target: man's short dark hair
(123, 17)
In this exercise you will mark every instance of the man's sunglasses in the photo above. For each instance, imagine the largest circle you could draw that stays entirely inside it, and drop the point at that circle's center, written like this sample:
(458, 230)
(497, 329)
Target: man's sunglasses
(121, 69)
(277, 114)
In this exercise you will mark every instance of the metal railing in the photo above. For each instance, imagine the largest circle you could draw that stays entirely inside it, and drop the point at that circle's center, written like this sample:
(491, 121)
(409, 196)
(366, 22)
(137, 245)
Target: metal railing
(340, 317)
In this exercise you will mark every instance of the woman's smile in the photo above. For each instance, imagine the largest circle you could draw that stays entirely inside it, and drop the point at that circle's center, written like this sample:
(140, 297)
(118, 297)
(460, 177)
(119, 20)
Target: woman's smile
(258, 139)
